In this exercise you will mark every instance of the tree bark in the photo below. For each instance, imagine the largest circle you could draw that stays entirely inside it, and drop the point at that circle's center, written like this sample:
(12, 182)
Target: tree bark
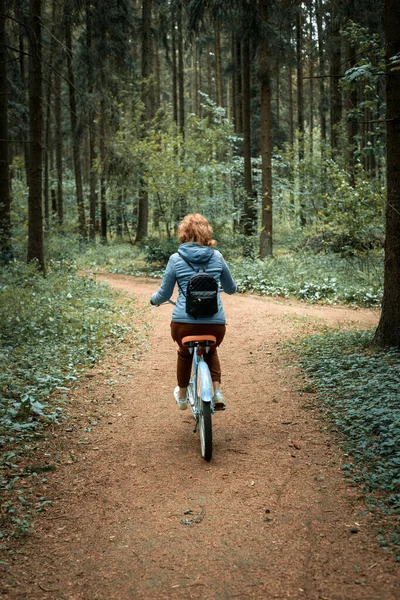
(35, 201)
(147, 66)
(321, 59)
(91, 123)
(174, 74)
(181, 75)
(103, 199)
(388, 331)
(236, 85)
(58, 142)
(47, 148)
(300, 105)
(5, 200)
(266, 150)
(218, 66)
(278, 92)
(300, 93)
(23, 28)
(290, 103)
(248, 220)
(311, 75)
(195, 79)
(76, 142)
(336, 95)
(209, 79)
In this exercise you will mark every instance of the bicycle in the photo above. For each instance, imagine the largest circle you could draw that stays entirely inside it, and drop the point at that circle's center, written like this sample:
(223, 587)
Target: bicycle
(200, 390)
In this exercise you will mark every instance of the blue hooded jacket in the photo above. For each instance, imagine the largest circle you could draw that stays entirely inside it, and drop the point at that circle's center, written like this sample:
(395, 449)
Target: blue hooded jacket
(178, 270)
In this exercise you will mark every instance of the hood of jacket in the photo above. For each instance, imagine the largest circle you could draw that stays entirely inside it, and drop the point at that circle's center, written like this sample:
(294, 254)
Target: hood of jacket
(195, 253)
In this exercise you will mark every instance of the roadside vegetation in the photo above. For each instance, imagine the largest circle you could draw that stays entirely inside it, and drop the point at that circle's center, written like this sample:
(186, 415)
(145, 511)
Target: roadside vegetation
(53, 329)
(358, 399)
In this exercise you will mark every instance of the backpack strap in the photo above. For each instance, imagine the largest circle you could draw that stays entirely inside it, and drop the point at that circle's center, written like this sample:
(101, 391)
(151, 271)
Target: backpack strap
(188, 262)
(192, 267)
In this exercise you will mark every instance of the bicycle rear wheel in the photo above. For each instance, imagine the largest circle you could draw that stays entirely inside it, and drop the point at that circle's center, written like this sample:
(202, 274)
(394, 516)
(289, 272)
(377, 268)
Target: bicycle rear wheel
(205, 430)
(204, 399)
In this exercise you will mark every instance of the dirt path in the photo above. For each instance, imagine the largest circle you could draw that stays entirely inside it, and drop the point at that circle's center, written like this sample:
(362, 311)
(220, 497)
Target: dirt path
(141, 515)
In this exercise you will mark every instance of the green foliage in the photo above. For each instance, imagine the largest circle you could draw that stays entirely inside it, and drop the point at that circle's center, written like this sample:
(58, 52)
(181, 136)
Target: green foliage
(359, 390)
(191, 174)
(341, 212)
(158, 250)
(50, 329)
(314, 278)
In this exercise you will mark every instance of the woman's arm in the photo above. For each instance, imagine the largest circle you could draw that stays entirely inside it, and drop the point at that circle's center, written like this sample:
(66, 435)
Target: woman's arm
(227, 282)
(166, 288)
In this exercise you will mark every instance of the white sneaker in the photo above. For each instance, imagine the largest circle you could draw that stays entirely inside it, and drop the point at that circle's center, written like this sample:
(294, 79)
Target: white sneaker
(182, 404)
(219, 400)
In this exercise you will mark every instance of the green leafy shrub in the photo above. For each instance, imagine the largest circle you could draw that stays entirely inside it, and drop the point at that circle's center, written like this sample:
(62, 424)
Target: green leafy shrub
(313, 278)
(158, 250)
(50, 328)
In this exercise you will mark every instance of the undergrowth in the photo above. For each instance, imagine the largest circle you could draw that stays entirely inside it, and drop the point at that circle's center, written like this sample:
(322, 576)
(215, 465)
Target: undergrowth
(313, 278)
(310, 277)
(358, 387)
(51, 330)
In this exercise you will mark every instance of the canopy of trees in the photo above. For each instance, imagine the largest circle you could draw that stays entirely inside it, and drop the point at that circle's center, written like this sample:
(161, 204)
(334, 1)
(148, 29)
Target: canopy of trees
(118, 117)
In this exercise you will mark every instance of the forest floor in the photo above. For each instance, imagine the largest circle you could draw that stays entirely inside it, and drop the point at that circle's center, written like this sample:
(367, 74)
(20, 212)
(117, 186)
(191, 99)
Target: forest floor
(137, 513)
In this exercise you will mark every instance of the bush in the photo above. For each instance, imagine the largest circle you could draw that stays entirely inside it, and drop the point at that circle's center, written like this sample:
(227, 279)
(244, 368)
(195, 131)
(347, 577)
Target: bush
(50, 328)
(158, 250)
(314, 278)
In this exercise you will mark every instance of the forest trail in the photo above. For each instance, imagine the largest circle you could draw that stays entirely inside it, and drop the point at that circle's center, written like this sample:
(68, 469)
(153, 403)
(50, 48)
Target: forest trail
(270, 516)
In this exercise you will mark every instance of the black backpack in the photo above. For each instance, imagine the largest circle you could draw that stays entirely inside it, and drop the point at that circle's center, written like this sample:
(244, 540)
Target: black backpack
(201, 292)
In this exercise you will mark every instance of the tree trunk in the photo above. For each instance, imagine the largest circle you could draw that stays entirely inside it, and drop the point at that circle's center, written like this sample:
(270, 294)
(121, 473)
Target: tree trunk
(5, 202)
(300, 94)
(249, 217)
(388, 331)
(266, 150)
(336, 96)
(147, 65)
(290, 102)
(23, 28)
(174, 75)
(58, 142)
(181, 81)
(277, 96)
(236, 86)
(218, 67)
(103, 200)
(76, 141)
(311, 75)
(209, 79)
(35, 209)
(321, 57)
(195, 80)
(91, 123)
(351, 105)
(47, 149)
(300, 106)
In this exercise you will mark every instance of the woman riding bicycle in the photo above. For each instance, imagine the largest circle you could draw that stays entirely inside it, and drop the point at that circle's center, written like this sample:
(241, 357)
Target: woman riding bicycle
(196, 253)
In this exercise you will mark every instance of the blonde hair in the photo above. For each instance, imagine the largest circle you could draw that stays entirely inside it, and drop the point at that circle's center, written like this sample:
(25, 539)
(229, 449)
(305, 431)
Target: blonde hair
(196, 228)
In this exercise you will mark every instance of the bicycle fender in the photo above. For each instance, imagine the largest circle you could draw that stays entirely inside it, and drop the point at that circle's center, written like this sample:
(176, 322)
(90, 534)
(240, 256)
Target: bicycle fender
(204, 382)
